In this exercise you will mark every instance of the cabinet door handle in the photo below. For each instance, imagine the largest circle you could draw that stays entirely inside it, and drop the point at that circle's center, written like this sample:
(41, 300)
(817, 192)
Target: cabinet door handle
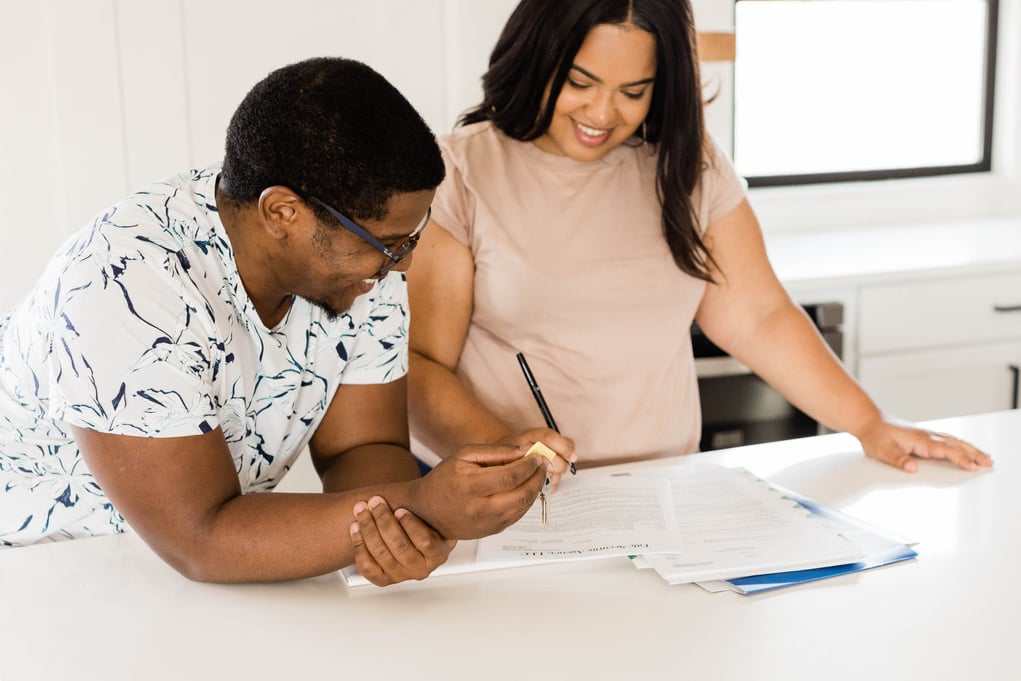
(1015, 396)
(1006, 308)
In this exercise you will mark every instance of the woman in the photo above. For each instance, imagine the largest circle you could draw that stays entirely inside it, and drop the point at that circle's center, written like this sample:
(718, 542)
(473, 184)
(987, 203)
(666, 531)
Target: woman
(585, 220)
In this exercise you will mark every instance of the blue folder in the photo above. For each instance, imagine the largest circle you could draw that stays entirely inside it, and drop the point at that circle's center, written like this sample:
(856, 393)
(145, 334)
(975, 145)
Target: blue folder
(893, 552)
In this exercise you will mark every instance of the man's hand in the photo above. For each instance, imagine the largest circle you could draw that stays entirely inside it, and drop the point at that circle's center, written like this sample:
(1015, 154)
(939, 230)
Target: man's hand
(392, 547)
(563, 446)
(901, 445)
(480, 491)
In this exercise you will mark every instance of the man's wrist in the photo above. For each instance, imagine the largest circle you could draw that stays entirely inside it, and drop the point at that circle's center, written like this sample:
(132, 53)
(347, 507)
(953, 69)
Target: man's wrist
(416, 499)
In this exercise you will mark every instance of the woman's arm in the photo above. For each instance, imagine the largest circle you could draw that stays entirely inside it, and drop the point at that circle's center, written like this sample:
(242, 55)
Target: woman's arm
(748, 313)
(442, 411)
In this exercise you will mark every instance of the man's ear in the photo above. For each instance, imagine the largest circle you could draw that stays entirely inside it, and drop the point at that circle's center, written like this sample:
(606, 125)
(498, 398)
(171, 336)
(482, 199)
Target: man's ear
(281, 211)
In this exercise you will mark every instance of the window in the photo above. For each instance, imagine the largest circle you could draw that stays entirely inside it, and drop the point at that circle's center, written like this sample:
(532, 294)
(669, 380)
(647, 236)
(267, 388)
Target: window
(837, 90)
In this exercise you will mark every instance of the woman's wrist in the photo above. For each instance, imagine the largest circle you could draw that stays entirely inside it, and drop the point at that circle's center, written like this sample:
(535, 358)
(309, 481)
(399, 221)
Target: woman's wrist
(867, 422)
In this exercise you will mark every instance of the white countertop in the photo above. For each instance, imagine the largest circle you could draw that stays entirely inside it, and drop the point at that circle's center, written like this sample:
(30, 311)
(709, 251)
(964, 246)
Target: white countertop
(891, 252)
(108, 608)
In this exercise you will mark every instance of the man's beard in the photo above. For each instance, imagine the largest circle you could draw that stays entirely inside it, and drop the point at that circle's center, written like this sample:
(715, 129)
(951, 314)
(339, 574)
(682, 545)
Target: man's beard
(330, 312)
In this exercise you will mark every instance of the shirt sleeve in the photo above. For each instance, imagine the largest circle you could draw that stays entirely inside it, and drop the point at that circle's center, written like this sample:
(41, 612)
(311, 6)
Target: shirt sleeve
(453, 207)
(378, 350)
(128, 355)
(721, 186)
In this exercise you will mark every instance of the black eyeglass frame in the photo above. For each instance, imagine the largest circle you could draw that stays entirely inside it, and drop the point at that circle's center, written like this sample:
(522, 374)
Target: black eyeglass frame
(394, 255)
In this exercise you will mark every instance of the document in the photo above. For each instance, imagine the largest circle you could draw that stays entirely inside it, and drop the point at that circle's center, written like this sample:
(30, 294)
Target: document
(593, 515)
(879, 547)
(691, 523)
(734, 525)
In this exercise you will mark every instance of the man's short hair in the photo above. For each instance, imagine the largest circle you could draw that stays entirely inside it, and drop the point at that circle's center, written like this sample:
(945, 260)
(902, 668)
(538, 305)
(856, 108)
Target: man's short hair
(333, 128)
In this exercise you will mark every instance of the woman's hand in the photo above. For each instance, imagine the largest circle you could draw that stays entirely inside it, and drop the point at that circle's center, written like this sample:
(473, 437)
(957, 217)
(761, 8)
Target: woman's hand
(900, 445)
(392, 547)
(563, 446)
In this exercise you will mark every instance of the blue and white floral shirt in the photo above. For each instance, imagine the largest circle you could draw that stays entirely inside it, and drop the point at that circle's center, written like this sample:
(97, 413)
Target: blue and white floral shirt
(140, 326)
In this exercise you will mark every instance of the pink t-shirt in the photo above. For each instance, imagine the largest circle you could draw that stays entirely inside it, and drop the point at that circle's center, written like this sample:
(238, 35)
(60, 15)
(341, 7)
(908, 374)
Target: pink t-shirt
(573, 270)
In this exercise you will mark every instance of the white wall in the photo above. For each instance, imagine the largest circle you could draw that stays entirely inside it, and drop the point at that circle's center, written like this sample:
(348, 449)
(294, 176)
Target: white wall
(100, 97)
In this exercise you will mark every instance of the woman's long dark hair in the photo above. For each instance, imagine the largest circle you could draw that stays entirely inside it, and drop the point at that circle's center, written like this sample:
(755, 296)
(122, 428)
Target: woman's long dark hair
(537, 48)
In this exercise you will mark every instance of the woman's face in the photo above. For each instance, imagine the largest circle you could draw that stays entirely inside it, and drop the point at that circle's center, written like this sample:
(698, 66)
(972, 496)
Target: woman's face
(606, 96)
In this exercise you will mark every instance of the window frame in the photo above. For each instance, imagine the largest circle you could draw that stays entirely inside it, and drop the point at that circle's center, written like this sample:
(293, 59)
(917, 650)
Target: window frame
(984, 165)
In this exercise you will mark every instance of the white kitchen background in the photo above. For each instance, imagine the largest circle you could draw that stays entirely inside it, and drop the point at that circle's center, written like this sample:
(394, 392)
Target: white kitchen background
(100, 97)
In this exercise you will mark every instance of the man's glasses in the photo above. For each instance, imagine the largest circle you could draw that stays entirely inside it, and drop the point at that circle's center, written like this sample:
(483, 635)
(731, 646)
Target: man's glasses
(394, 255)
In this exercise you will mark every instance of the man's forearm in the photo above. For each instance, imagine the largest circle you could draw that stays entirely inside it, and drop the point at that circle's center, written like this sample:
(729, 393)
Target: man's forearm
(277, 536)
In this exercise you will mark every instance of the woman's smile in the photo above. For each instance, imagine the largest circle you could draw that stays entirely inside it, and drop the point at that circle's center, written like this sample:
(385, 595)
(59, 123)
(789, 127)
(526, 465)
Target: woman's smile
(589, 136)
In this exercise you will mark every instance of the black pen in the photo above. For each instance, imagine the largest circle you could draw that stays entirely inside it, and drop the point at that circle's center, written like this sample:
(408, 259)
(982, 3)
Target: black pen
(537, 394)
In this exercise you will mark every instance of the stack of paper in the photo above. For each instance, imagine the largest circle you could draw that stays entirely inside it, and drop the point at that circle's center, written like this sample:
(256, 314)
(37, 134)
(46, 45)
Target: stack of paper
(879, 548)
(720, 527)
(735, 525)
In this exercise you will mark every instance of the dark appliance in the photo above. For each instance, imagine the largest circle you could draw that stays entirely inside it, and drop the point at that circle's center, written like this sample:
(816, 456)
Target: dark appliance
(738, 407)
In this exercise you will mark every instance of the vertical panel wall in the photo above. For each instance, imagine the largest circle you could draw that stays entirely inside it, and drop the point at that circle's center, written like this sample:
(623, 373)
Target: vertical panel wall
(154, 92)
(101, 97)
(62, 153)
(29, 164)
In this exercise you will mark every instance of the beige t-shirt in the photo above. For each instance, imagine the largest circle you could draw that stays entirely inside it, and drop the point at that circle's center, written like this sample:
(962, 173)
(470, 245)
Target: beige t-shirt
(573, 270)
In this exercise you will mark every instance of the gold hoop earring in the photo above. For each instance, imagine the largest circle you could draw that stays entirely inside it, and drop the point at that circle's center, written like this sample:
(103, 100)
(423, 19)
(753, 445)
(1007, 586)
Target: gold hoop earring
(645, 136)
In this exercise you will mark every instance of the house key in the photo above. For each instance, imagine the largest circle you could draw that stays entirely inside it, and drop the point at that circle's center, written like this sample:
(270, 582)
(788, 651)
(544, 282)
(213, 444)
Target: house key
(544, 495)
(547, 487)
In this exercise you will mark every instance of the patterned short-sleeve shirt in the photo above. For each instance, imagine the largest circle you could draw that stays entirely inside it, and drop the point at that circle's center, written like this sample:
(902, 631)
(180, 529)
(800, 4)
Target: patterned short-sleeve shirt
(140, 326)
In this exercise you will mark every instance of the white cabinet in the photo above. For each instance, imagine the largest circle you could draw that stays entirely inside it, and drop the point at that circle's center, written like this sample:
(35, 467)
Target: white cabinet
(940, 312)
(932, 311)
(935, 347)
(938, 383)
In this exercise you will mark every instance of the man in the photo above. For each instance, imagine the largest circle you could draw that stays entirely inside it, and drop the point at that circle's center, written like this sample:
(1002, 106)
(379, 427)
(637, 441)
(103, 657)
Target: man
(183, 348)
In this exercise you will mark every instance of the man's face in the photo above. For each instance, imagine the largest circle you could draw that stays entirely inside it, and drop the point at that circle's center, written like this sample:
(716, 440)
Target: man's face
(341, 265)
